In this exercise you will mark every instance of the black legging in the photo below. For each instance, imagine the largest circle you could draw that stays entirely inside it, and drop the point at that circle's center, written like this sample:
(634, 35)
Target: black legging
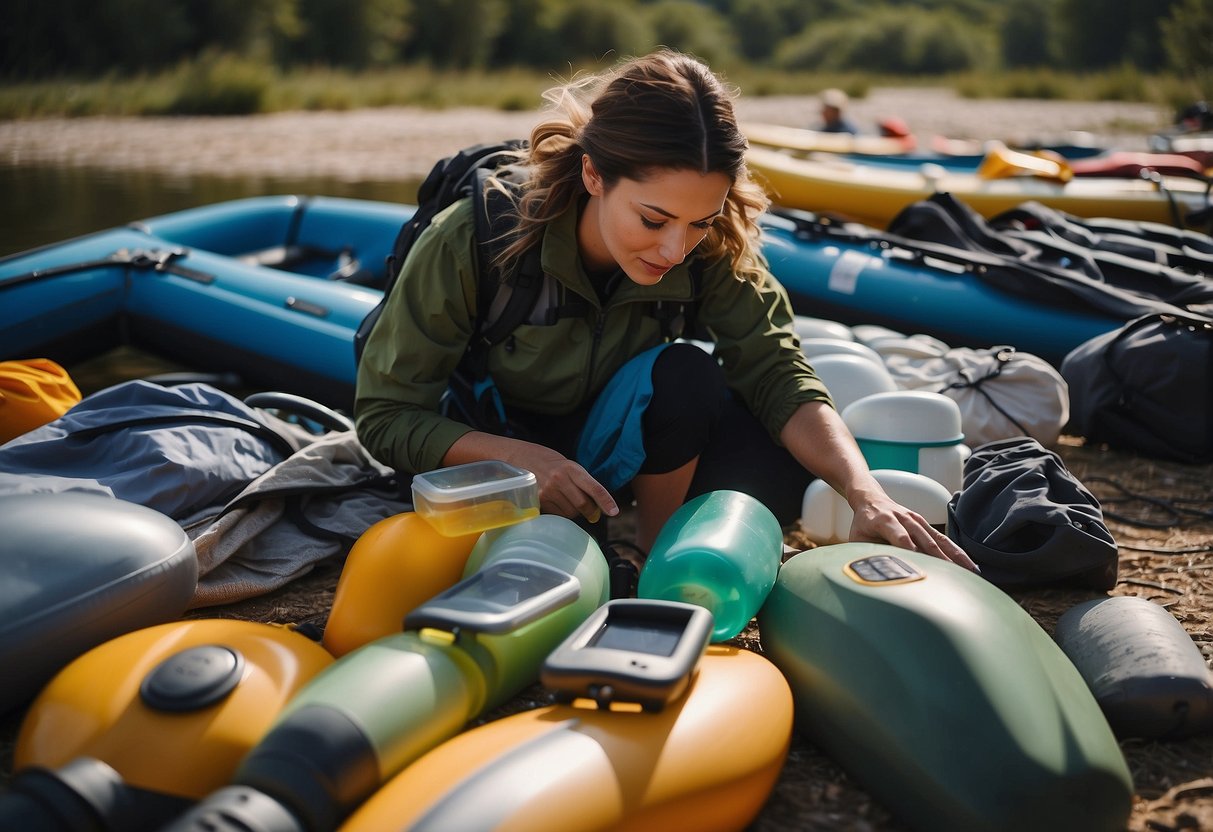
(692, 413)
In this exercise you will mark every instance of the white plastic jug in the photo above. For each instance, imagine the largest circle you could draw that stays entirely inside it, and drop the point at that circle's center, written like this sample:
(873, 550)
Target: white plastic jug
(826, 518)
(850, 378)
(911, 430)
(815, 347)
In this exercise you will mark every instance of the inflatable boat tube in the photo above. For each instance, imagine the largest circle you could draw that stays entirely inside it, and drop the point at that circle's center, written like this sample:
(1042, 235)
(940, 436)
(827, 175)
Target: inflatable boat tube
(119, 702)
(1142, 666)
(940, 695)
(706, 762)
(77, 570)
(380, 707)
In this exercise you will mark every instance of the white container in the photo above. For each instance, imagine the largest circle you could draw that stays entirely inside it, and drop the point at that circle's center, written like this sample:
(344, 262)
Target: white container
(911, 430)
(814, 347)
(850, 378)
(807, 327)
(475, 497)
(826, 518)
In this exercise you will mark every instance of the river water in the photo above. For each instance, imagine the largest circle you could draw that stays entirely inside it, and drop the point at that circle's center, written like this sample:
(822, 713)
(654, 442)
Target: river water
(47, 204)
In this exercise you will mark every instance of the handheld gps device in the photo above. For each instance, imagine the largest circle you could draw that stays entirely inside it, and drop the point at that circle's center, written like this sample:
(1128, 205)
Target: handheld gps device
(630, 650)
(500, 598)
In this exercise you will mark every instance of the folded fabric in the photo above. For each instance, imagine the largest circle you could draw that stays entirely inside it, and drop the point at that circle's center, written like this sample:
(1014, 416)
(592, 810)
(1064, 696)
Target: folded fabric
(611, 446)
(173, 449)
(1025, 519)
(262, 499)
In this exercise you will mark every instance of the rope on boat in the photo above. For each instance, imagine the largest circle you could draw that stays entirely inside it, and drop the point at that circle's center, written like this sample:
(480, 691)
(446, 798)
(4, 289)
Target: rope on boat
(157, 260)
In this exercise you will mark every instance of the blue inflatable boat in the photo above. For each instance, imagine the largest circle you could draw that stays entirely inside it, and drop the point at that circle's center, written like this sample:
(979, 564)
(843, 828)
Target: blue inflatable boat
(270, 287)
(274, 287)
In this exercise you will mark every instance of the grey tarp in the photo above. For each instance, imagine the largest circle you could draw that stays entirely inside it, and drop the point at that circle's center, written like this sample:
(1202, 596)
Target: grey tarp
(263, 499)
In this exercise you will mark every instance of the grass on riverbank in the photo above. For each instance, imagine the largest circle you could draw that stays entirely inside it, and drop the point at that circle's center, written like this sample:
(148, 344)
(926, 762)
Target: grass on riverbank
(227, 85)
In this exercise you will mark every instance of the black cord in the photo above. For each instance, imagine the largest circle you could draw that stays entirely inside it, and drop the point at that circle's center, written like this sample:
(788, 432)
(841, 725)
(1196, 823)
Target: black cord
(1176, 509)
(1162, 550)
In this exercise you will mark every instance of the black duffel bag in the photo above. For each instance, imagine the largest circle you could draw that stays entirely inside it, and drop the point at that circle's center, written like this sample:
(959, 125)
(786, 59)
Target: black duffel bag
(1027, 521)
(1146, 387)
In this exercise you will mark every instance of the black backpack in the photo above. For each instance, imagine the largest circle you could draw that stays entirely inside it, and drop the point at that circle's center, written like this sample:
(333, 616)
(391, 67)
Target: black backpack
(1146, 387)
(1050, 268)
(504, 301)
(511, 298)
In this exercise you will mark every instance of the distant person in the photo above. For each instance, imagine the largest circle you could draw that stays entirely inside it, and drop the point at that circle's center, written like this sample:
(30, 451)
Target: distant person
(833, 113)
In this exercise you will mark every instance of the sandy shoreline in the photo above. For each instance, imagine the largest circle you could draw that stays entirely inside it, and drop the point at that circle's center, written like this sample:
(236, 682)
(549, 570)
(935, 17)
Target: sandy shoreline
(400, 144)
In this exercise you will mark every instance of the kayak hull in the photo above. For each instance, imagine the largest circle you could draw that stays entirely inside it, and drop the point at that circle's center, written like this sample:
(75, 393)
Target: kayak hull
(941, 695)
(875, 194)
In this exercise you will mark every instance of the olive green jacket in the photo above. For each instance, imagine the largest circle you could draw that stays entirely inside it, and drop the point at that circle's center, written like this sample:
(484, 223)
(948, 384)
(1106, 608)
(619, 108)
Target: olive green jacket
(429, 315)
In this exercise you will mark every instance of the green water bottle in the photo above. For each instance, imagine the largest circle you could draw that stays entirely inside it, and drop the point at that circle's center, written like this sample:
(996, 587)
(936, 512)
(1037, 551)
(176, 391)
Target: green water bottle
(721, 551)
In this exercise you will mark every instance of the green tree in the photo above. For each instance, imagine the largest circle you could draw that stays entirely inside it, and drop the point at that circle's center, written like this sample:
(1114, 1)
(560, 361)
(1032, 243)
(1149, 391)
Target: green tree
(1188, 37)
(758, 28)
(596, 30)
(528, 34)
(890, 40)
(694, 28)
(1100, 34)
(456, 34)
(252, 28)
(349, 33)
(44, 38)
(1028, 34)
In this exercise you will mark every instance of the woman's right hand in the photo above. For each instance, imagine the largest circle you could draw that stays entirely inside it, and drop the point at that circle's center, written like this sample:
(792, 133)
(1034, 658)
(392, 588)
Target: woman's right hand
(565, 487)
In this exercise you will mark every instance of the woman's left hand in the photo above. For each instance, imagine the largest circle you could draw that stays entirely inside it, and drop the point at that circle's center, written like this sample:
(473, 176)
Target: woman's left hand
(878, 519)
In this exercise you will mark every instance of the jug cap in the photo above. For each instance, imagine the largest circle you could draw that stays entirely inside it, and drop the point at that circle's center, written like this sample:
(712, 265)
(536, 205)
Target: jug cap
(914, 417)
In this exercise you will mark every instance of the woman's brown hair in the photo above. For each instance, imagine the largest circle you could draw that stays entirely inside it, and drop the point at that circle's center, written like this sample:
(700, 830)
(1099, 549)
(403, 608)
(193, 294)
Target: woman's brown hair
(664, 111)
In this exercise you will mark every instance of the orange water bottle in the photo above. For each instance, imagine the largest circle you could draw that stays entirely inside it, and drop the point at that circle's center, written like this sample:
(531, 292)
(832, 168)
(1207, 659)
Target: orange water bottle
(397, 564)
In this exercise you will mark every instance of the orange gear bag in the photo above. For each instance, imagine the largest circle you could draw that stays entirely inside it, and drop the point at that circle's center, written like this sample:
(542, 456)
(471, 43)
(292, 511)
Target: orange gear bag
(33, 392)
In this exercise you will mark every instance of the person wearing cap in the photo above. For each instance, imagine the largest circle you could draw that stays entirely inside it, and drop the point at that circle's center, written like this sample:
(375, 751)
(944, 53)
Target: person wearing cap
(833, 113)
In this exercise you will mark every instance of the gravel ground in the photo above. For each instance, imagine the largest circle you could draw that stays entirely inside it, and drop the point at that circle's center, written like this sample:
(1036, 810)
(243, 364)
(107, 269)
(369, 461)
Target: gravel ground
(401, 143)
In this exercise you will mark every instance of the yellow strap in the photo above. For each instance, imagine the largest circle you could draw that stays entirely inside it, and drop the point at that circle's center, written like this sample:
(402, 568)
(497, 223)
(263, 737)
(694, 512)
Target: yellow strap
(1001, 163)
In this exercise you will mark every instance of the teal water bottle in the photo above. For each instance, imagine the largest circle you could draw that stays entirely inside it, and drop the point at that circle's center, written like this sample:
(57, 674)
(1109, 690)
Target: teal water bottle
(721, 551)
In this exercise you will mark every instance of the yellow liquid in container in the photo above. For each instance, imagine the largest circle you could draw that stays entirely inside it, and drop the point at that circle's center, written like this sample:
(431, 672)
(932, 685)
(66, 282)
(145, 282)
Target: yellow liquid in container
(475, 497)
(492, 514)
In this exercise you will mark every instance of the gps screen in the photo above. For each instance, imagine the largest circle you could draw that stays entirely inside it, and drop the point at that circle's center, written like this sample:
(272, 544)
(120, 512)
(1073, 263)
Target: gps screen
(510, 585)
(656, 638)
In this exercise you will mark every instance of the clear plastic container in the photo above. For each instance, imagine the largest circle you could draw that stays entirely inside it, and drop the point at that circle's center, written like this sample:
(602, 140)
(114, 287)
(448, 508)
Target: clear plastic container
(475, 497)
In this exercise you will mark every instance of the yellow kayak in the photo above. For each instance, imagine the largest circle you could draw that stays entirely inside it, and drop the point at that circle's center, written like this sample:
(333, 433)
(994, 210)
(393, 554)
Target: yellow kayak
(706, 762)
(802, 140)
(873, 194)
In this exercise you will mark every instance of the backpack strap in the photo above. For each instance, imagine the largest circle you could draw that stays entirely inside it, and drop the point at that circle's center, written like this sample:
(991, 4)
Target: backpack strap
(503, 302)
(446, 182)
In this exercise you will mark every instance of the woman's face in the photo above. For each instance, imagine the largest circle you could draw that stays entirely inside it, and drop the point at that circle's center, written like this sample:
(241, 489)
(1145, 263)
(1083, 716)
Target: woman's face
(647, 227)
